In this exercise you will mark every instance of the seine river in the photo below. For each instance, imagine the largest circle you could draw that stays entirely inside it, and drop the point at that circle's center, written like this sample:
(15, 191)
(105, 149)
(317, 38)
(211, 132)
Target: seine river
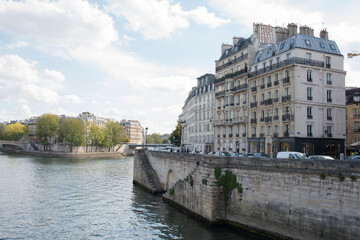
(53, 198)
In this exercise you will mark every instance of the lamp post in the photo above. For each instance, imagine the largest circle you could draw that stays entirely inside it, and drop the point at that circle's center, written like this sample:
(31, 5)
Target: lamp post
(146, 129)
(182, 122)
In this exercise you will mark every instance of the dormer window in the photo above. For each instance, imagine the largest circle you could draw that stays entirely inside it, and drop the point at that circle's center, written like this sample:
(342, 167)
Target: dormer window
(322, 45)
(307, 42)
(282, 45)
(332, 46)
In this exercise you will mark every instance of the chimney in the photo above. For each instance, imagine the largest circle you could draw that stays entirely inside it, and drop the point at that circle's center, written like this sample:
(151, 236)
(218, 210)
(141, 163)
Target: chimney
(292, 29)
(225, 46)
(280, 34)
(235, 40)
(305, 30)
(311, 32)
(324, 34)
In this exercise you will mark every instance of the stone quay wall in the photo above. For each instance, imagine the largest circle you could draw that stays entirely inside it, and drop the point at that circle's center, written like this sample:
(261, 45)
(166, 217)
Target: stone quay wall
(282, 198)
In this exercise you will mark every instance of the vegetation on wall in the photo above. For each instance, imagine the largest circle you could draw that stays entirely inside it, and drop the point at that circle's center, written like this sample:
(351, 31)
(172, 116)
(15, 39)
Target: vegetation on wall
(228, 183)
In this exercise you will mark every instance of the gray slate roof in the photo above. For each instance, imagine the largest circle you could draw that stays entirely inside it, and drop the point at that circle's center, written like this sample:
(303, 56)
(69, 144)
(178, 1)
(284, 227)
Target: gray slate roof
(241, 44)
(298, 41)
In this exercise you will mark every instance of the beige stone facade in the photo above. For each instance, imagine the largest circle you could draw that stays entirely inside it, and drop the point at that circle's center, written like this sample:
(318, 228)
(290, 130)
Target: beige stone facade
(133, 130)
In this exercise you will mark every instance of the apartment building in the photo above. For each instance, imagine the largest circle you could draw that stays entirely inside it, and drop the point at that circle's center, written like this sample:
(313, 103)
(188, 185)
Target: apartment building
(197, 116)
(296, 95)
(280, 90)
(352, 119)
(134, 130)
(231, 89)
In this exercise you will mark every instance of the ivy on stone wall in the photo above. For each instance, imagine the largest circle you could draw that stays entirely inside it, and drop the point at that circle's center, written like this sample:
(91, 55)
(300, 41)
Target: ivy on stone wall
(228, 183)
(172, 191)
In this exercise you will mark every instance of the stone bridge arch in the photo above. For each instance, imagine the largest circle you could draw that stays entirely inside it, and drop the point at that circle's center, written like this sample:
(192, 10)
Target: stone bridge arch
(170, 180)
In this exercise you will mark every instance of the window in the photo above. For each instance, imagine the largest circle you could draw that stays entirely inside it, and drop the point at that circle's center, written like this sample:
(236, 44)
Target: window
(329, 131)
(262, 98)
(356, 112)
(276, 96)
(328, 94)
(254, 99)
(329, 114)
(269, 130)
(309, 113)
(322, 45)
(308, 57)
(332, 46)
(307, 41)
(309, 131)
(276, 113)
(309, 94)
(276, 129)
(328, 62)
(269, 80)
(269, 95)
(286, 92)
(328, 79)
(282, 45)
(309, 76)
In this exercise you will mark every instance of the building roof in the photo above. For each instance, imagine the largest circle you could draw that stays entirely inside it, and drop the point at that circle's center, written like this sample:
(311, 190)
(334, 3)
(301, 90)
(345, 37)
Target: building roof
(298, 41)
(241, 44)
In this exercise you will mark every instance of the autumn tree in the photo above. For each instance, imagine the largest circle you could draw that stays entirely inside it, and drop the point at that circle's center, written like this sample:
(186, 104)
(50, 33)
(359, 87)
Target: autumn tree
(47, 126)
(73, 132)
(13, 132)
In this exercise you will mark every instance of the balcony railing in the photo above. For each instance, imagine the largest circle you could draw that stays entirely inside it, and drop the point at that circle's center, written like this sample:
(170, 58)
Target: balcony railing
(268, 119)
(240, 87)
(286, 80)
(309, 134)
(276, 117)
(253, 121)
(262, 102)
(253, 135)
(244, 134)
(230, 135)
(286, 133)
(262, 135)
(309, 116)
(220, 94)
(286, 117)
(269, 84)
(262, 86)
(230, 75)
(268, 102)
(254, 89)
(240, 58)
(309, 79)
(262, 119)
(309, 98)
(329, 118)
(276, 82)
(329, 134)
(328, 65)
(329, 82)
(276, 134)
(286, 98)
(276, 100)
(253, 104)
(294, 60)
(329, 99)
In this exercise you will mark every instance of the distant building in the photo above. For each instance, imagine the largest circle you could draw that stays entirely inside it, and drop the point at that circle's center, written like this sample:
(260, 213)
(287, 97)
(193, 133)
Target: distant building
(133, 130)
(197, 116)
(352, 119)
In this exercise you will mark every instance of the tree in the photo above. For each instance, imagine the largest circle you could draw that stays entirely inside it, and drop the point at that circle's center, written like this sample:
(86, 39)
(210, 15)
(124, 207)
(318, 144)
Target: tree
(2, 128)
(175, 136)
(73, 132)
(114, 134)
(47, 126)
(13, 132)
(96, 134)
(154, 138)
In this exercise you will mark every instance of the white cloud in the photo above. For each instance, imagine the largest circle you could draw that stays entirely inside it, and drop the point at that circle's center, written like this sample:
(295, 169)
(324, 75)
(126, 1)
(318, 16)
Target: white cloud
(72, 99)
(157, 19)
(20, 112)
(18, 44)
(66, 23)
(20, 81)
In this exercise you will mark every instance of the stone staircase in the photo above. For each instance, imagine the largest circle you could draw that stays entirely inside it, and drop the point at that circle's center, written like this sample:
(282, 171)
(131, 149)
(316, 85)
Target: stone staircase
(152, 177)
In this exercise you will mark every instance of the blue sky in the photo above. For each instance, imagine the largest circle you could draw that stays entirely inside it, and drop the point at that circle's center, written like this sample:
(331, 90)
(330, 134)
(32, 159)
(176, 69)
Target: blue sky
(137, 59)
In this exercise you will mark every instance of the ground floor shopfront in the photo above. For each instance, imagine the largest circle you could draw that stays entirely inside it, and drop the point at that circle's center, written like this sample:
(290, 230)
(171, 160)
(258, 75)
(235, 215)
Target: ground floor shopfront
(310, 146)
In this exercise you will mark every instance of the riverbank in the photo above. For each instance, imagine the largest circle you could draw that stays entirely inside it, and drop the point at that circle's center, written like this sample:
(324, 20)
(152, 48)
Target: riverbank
(64, 154)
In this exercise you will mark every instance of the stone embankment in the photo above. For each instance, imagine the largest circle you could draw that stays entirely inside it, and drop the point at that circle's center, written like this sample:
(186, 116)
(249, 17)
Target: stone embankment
(281, 198)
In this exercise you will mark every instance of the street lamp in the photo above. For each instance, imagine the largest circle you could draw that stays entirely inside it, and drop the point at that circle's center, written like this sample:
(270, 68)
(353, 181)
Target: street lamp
(146, 129)
(182, 122)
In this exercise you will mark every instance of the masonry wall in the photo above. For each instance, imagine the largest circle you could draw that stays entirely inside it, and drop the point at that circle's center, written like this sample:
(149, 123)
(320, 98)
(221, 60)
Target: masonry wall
(303, 199)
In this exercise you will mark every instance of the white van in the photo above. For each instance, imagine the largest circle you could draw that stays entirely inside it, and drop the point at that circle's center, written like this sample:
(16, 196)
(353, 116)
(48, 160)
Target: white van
(297, 155)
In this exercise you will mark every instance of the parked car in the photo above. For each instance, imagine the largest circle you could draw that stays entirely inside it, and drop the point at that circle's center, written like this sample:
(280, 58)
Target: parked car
(258, 155)
(355, 157)
(321, 157)
(297, 155)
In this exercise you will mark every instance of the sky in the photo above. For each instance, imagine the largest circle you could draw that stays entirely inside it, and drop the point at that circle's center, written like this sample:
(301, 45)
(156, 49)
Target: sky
(138, 59)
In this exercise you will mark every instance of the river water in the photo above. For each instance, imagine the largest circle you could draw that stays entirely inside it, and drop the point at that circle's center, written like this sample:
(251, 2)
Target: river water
(53, 198)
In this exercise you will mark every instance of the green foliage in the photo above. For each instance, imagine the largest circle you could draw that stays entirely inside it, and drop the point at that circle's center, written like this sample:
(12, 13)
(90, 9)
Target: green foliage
(13, 132)
(114, 134)
(96, 135)
(172, 191)
(186, 179)
(73, 131)
(154, 138)
(228, 183)
(175, 136)
(47, 126)
(191, 181)
(204, 181)
(217, 172)
(341, 177)
(322, 176)
(2, 128)
(353, 178)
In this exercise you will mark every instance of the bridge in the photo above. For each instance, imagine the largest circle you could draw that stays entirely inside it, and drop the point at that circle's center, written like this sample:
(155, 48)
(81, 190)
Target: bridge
(282, 198)
(14, 145)
(149, 145)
